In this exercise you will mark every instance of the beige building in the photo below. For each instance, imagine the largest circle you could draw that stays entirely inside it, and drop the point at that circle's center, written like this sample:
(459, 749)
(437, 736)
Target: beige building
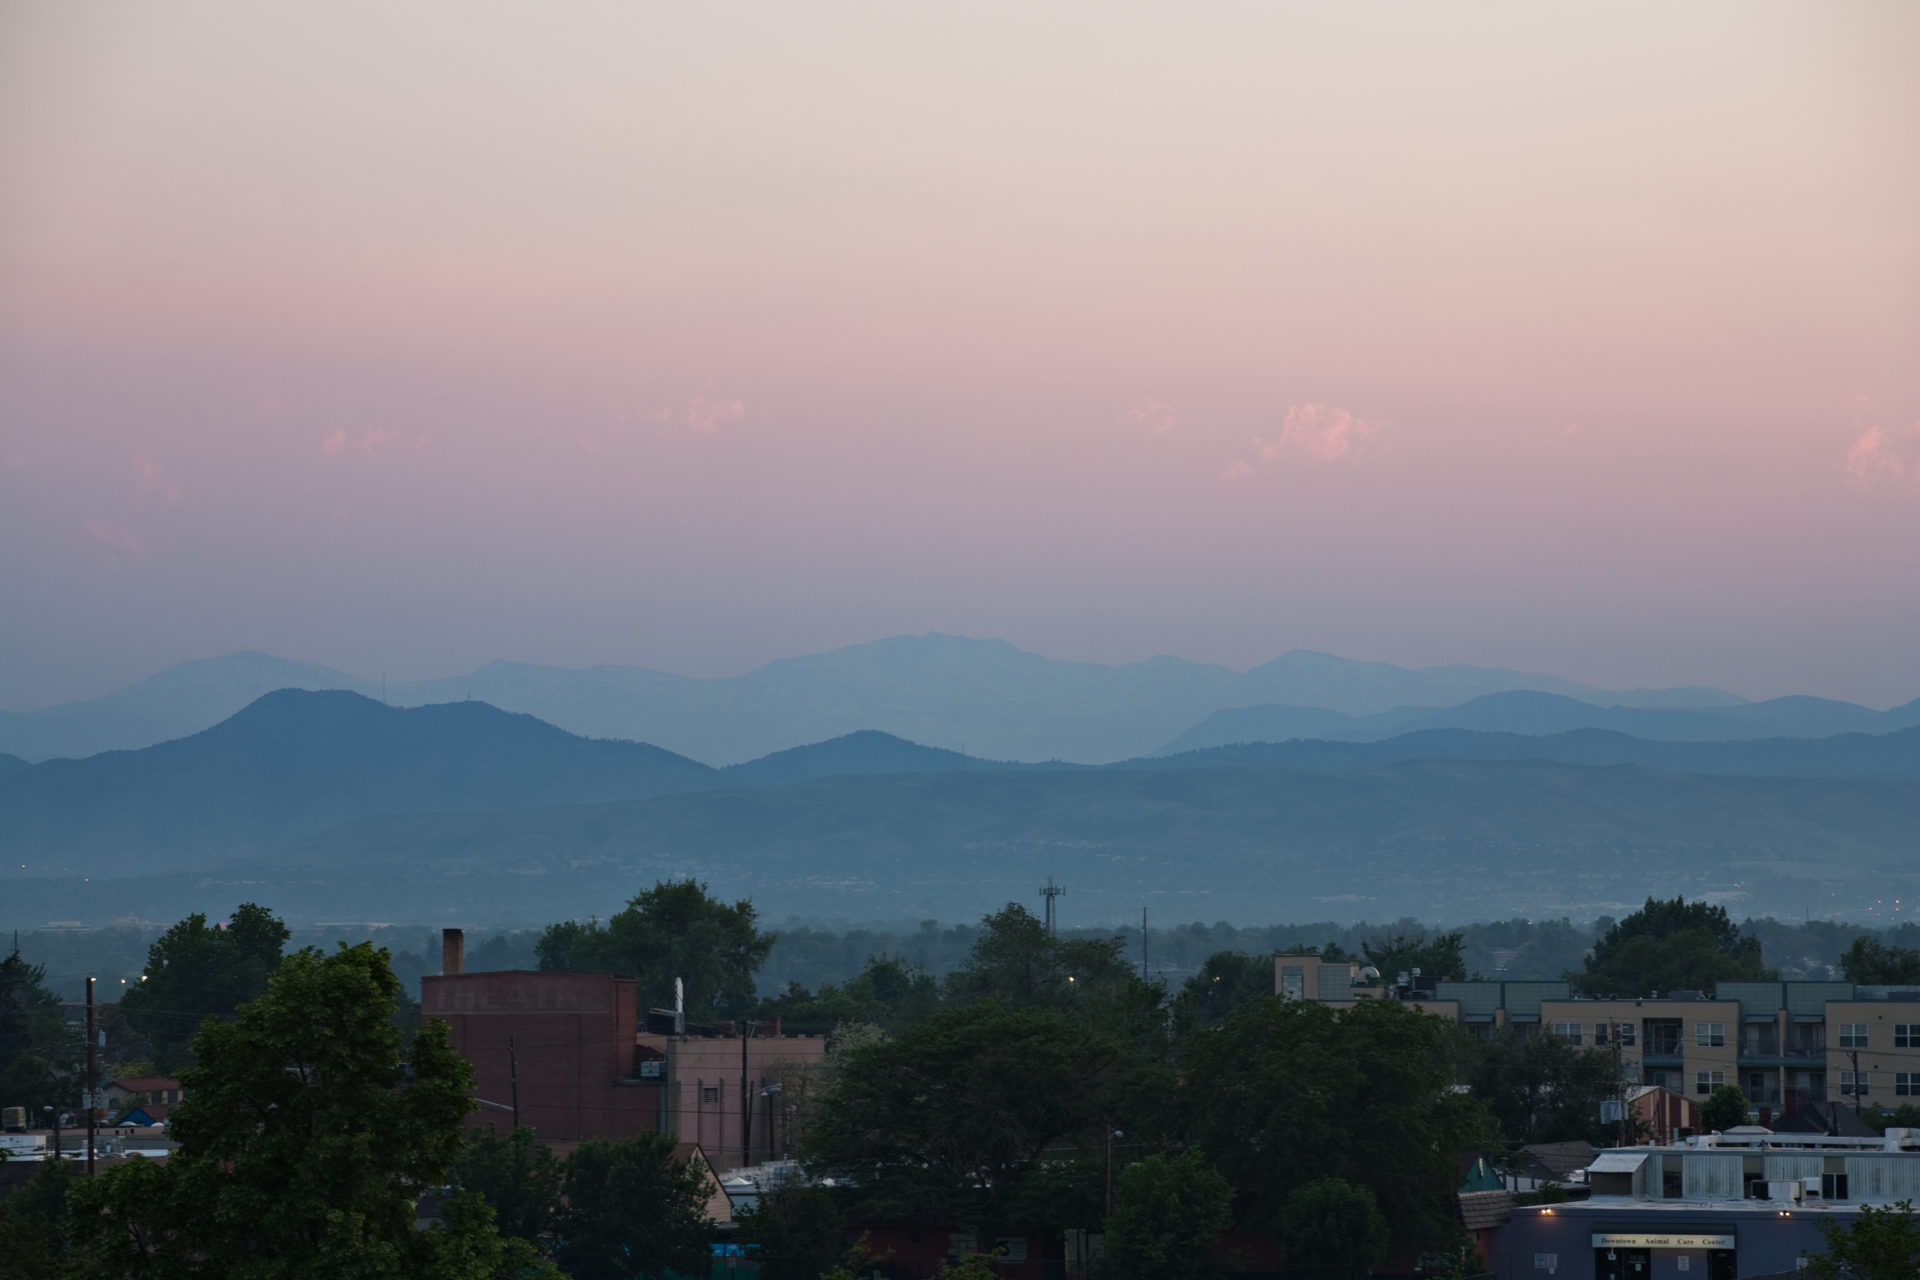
(704, 1101)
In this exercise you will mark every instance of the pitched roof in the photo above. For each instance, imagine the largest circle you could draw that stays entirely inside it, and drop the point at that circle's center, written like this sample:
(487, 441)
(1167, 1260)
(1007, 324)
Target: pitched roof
(145, 1084)
(1480, 1210)
(1561, 1158)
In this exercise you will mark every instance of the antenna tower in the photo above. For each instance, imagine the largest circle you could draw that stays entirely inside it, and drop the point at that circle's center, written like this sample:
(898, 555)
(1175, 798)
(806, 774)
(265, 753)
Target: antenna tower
(1050, 891)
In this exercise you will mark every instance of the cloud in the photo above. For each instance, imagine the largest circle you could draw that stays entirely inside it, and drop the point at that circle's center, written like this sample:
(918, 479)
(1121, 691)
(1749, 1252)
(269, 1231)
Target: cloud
(151, 483)
(1323, 433)
(370, 442)
(707, 415)
(1880, 455)
(116, 538)
(1238, 469)
(1155, 416)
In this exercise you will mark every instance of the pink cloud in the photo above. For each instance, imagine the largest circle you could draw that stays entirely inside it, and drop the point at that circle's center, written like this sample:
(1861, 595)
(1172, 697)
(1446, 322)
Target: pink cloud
(116, 538)
(370, 442)
(707, 415)
(1324, 433)
(1878, 454)
(1153, 415)
(1238, 469)
(152, 484)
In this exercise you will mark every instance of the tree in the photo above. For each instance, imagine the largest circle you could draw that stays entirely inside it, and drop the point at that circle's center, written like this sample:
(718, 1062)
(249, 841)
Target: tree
(1541, 1089)
(33, 1224)
(36, 1052)
(1879, 1244)
(885, 994)
(1285, 1087)
(946, 1123)
(1168, 1212)
(1724, 1108)
(1671, 946)
(304, 1141)
(798, 1232)
(673, 930)
(1875, 963)
(1331, 1229)
(518, 1177)
(196, 971)
(1226, 981)
(1436, 957)
(634, 1208)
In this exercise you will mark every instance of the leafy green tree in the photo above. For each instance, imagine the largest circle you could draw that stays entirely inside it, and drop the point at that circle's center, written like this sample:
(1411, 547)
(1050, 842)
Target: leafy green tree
(799, 1232)
(886, 994)
(33, 1223)
(1875, 963)
(36, 1051)
(944, 1124)
(1225, 982)
(1671, 946)
(634, 1208)
(197, 971)
(1331, 1229)
(518, 1178)
(1724, 1108)
(1436, 957)
(673, 930)
(304, 1141)
(1541, 1089)
(1168, 1212)
(1879, 1244)
(1286, 1088)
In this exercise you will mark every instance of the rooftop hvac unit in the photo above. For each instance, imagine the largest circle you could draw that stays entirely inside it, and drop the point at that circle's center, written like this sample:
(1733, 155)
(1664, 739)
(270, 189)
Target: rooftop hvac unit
(14, 1118)
(1788, 1190)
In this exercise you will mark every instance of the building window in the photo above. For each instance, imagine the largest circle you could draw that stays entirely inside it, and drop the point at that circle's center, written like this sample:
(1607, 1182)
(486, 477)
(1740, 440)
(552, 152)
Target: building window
(1833, 1186)
(1568, 1031)
(1852, 1085)
(1906, 1035)
(1626, 1034)
(1906, 1084)
(1853, 1035)
(1293, 981)
(1599, 1033)
(1709, 1034)
(709, 1093)
(1708, 1081)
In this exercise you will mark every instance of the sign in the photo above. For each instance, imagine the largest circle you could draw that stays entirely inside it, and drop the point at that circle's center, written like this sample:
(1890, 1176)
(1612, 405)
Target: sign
(1649, 1240)
(1547, 1262)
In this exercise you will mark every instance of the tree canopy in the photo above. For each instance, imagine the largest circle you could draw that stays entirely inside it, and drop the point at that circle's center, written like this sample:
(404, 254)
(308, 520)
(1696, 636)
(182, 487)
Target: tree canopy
(1877, 963)
(1332, 1229)
(1437, 957)
(1878, 1244)
(1671, 946)
(1541, 1089)
(1168, 1212)
(196, 971)
(304, 1141)
(36, 1053)
(674, 930)
(633, 1209)
(1724, 1108)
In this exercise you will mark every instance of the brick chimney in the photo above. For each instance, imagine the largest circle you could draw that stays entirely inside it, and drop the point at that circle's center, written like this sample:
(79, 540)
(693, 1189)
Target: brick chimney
(453, 952)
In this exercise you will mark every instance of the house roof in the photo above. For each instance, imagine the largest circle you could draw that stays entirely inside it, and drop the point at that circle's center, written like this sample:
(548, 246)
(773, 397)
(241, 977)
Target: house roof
(1480, 1210)
(1816, 1117)
(145, 1084)
(1560, 1158)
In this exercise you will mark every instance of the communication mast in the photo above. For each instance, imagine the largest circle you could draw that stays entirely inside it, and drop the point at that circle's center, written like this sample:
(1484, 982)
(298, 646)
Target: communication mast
(1050, 891)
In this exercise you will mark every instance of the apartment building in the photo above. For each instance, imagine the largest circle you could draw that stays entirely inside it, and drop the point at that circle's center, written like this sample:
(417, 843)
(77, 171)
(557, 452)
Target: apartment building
(1783, 1043)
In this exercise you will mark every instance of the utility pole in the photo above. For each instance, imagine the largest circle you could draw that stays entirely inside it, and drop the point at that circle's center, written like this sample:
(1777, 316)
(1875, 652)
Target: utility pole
(1619, 1079)
(91, 1063)
(746, 1102)
(513, 1079)
(1050, 891)
(1143, 944)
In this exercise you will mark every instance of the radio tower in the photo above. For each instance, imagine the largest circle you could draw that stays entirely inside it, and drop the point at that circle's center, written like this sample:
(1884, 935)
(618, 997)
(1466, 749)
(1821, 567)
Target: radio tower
(1050, 891)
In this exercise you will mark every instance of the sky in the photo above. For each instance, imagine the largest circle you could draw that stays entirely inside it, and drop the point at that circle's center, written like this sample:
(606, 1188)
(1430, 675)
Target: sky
(403, 337)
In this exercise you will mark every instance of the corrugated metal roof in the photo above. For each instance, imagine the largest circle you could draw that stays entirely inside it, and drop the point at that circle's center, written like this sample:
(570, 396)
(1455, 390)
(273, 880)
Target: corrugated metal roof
(1617, 1162)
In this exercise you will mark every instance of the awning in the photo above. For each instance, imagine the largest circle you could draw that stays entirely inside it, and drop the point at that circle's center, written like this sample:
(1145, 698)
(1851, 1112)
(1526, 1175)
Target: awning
(1617, 1162)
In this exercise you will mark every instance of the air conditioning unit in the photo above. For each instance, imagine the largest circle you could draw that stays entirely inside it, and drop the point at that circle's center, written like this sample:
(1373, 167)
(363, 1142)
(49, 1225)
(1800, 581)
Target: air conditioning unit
(14, 1118)
(1813, 1189)
(652, 1069)
(1790, 1190)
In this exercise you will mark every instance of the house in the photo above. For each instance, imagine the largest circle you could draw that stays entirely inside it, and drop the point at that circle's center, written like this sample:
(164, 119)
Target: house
(1552, 1161)
(1663, 1115)
(147, 1091)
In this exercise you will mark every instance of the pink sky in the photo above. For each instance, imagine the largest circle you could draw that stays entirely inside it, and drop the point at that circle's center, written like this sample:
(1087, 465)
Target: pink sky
(403, 337)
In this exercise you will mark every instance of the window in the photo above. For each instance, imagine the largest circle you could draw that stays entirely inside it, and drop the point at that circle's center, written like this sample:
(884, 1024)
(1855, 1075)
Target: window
(1833, 1186)
(1853, 1035)
(1906, 1035)
(709, 1093)
(1626, 1034)
(1599, 1033)
(1709, 1034)
(1568, 1031)
(1852, 1085)
(1906, 1084)
(1293, 981)
(1708, 1081)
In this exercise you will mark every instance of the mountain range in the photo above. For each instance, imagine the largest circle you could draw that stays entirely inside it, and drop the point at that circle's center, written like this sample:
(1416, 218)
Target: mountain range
(338, 806)
(984, 698)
